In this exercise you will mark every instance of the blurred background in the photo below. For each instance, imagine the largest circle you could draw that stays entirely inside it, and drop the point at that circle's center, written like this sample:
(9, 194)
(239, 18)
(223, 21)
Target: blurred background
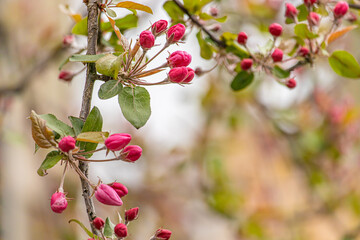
(265, 163)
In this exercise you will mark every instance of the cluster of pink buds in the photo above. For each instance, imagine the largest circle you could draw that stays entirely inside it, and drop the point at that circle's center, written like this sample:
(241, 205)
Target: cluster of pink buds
(118, 141)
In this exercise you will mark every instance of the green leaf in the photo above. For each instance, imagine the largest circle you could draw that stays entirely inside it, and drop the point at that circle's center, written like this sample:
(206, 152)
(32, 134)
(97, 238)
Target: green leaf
(280, 73)
(242, 80)
(58, 126)
(302, 30)
(109, 228)
(174, 11)
(205, 16)
(85, 58)
(93, 123)
(111, 12)
(344, 64)
(129, 21)
(206, 51)
(81, 27)
(92, 137)
(135, 105)
(51, 159)
(231, 46)
(88, 232)
(109, 89)
(109, 65)
(77, 124)
(303, 13)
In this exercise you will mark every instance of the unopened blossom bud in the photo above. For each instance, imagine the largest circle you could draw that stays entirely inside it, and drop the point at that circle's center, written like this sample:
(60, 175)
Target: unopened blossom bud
(246, 64)
(159, 27)
(277, 55)
(214, 11)
(68, 40)
(67, 143)
(163, 234)
(199, 71)
(117, 141)
(178, 74)
(179, 59)
(340, 9)
(176, 33)
(98, 223)
(66, 76)
(313, 19)
(242, 38)
(107, 195)
(120, 230)
(310, 2)
(146, 39)
(291, 11)
(215, 27)
(119, 188)
(190, 75)
(58, 202)
(291, 83)
(352, 17)
(131, 214)
(132, 153)
(303, 51)
(275, 29)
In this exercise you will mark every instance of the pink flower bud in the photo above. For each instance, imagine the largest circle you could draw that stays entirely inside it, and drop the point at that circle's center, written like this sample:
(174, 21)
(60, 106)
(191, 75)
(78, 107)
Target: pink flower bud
(310, 2)
(214, 11)
(163, 234)
(291, 83)
(67, 143)
(132, 153)
(179, 59)
(117, 141)
(98, 223)
(66, 76)
(159, 27)
(303, 51)
(120, 230)
(246, 64)
(277, 55)
(190, 75)
(68, 40)
(147, 39)
(275, 29)
(107, 195)
(178, 74)
(215, 28)
(58, 202)
(131, 214)
(291, 11)
(341, 9)
(242, 38)
(313, 19)
(199, 71)
(176, 32)
(352, 17)
(119, 188)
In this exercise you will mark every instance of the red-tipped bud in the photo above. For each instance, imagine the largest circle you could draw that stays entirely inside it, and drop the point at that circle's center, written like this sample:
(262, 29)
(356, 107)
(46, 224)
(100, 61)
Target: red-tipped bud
(340, 9)
(117, 141)
(132, 153)
(68, 40)
(119, 188)
(303, 51)
(179, 59)
(190, 75)
(275, 29)
(163, 234)
(67, 143)
(215, 27)
(242, 38)
(120, 230)
(98, 223)
(176, 33)
(314, 19)
(291, 83)
(159, 27)
(246, 64)
(291, 11)
(214, 11)
(131, 214)
(58, 202)
(147, 39)
(178, 74)
(199, 71)
(310, 2)
(277, 55)
(107, 195)
(66, 76)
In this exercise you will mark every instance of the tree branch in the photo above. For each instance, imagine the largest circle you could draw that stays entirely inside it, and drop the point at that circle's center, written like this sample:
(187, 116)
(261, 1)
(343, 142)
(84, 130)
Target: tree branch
(354, 6)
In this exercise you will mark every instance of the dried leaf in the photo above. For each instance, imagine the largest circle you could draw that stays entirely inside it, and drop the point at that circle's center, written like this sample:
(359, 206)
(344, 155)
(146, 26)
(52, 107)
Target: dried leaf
(340, 33)
(42, 135)
(135, 6)
(123, 40)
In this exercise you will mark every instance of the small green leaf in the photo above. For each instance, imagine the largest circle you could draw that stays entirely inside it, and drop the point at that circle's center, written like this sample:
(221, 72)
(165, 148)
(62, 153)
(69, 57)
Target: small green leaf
(77, 124)
(92, 137)
(111, 12)
(109, 228)
(231, 46)
(303, 12)
(88, 232)
(85, 58)
(109, 65)
(129, 21)
(174, 11)
(205, 16)
(81, 27)
(109, 89)
(302, 30)
(344, 64)
(280, 73)
(58, 126)
(206, 51)
(135, 105)
(242, 80)
(51, 159)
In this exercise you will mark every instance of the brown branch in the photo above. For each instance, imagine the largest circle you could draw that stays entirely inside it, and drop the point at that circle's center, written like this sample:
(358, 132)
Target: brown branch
(354, 6)
(93, 26)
